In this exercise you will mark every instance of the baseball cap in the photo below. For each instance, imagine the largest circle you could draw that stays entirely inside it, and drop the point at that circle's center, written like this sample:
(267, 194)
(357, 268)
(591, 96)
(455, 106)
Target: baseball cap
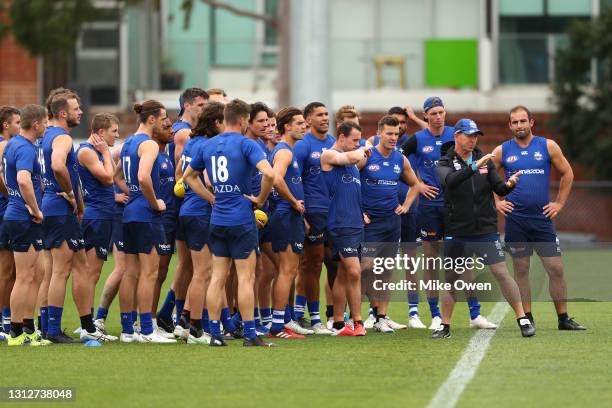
(432, 102)
(181, 107)
(467, 126)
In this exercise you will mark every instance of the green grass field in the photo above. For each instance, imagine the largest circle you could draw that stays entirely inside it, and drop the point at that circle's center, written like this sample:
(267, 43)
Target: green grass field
(403, 369)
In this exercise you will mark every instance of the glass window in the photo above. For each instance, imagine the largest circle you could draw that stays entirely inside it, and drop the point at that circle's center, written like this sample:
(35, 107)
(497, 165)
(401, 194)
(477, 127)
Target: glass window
(569, 8)
(521, 7)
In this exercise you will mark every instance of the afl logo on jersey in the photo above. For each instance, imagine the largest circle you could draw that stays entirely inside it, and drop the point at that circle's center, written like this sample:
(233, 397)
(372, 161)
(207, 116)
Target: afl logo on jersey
(537, 156)
(373, 167)
(315, 155)
(511, 159)
(428, 149)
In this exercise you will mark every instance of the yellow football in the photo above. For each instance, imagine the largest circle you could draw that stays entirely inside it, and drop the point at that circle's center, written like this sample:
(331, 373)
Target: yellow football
(261, 216)
(179, 188)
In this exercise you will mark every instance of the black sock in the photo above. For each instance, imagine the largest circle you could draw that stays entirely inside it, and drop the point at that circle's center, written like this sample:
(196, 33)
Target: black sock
(87, 323)
(379, 317)
(359, 322)
(16, 329)
(329, 311)
(38, 323)
(185, 317)
(338, 325)
(196, 327)
(28, 325)
(529, 316)
(446, 326)
(563, 317)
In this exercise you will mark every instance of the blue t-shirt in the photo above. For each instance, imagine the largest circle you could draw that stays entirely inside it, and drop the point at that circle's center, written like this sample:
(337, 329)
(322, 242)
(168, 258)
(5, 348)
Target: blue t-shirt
(308, 152)
(229, 159)
(427, 156)
(20, 154)
(256, 178)
(97, 197)
(176, 126)
(292, 177)
(137, 209)
(3, 200)
(531, 193)
(193, 205)
(380, 182)
(166, 187)
(344, 188)
(53, 204)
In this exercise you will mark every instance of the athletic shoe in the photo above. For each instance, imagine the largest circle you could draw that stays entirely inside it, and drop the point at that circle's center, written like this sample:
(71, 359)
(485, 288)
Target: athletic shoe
(296, 328)
(21, 340)
(36, 339)
(62, 338)
(154, 338)
(319, 328)
(136, 327)
(414, 322)
(3, 336)
(97, 335)
(394, 325)
(166, 325)
(100, 324)
(442, 332)
(161, 332)
(286, 334)
(359, 330)
(330, 323)
(382, 327)
(346, 331)
(481, 322)
(527, 329)
(257, 342)
(369, 322)
(236, 334)
(217, 342)
(261, 330)
(203, 339)
(180, 332)
(570, 324)
(304, 323)
(77, 331)
(435, 323)
(128, 337)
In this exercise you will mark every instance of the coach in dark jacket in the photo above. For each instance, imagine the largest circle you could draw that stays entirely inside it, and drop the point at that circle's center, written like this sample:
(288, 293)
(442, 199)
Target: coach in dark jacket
(469, 179)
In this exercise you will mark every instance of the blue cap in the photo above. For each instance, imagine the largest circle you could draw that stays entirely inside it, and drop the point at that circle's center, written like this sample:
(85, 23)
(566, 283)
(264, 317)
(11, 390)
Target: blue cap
(467, 126)
(432, 102)
(181, 107)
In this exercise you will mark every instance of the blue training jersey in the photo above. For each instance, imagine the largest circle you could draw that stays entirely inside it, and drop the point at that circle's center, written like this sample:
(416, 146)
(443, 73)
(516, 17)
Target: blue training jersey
(427, 156)
(166, 187)
(176, 126)
(53, 204)
(531, 193)
(292, 177)
(344, 186)
(3, 200)
(256, 178)
(20, 154)
(380, 179)
(308, 152)
(229, 159)
(137, 209)
(97, 197)
(193, 205)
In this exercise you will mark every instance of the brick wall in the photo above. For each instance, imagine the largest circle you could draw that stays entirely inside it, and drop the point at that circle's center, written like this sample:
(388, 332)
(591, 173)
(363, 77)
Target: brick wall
(18, 74)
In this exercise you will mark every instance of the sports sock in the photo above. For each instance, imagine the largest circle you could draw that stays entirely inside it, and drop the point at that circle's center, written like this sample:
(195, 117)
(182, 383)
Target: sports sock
(266, 315)
(413, 303)
(146, 323)
(433, 307)
(237, 319)
(184, 318)
(16, 329)
(278, 320)
(249, 329)
(329, 311)
(205, 321)
(102, 313)
(6, 319)
(338, 325)
(55, 320)
(87, 323)
(313, 309)
(29, 325)
(180, 304)
(215, 328)
(256, 316)
(195, 327)
(379, 317)
(127, 324)
(474, 306)
(300, 306)
(44, 320)
(168, 306)
(226, 320)
(562, 317)
(134, 316)
(288, 313)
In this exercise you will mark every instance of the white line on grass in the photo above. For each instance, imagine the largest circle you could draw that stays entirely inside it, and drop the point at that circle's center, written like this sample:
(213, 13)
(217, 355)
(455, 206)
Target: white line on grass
(448, 394)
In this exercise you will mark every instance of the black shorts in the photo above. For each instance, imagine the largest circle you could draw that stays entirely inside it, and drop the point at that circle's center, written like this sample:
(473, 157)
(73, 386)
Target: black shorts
(141, 237)
(97, 234)
(485, 246)
(60, 228)
(23, 234)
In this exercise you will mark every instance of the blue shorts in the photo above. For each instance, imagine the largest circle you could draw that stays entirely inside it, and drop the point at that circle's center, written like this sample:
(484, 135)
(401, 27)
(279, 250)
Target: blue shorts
(430, 222)
(117, 234)
(382, 235)
(318, 228)
(524, 234)
(346, 242)
(195, 231)
(235, 242)
(4, 240)
(97, 234)
(409, 227)
(60, 228)
(23, 234)
(170, 229)
(485, 246)
(141, 237)
(265, 234)
(287, 228)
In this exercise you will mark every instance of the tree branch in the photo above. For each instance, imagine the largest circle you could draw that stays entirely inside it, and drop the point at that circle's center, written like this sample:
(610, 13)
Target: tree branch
(271, 20)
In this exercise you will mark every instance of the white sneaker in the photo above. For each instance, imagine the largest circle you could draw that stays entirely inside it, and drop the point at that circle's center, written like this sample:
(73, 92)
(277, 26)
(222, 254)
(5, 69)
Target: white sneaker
(203, 339)
(154, 338)
(481, 322)
(77, 330)
(128, 338)
(100, 325)
(136, 327)
(3, 336)
(394, 325)
(97, 335)
(382, 327)
(296, 328)
(369, 322)
(319, 328)
(414, 322)
(163, 333)
(330, 323)
(436, 322)
(180, 332)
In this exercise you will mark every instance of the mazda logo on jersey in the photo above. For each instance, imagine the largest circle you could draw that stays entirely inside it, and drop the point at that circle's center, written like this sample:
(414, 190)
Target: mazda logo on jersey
(373, 167)
(428, 149)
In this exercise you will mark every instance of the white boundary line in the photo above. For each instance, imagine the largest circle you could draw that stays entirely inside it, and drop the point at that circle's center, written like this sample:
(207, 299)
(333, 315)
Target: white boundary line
(449, 392)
